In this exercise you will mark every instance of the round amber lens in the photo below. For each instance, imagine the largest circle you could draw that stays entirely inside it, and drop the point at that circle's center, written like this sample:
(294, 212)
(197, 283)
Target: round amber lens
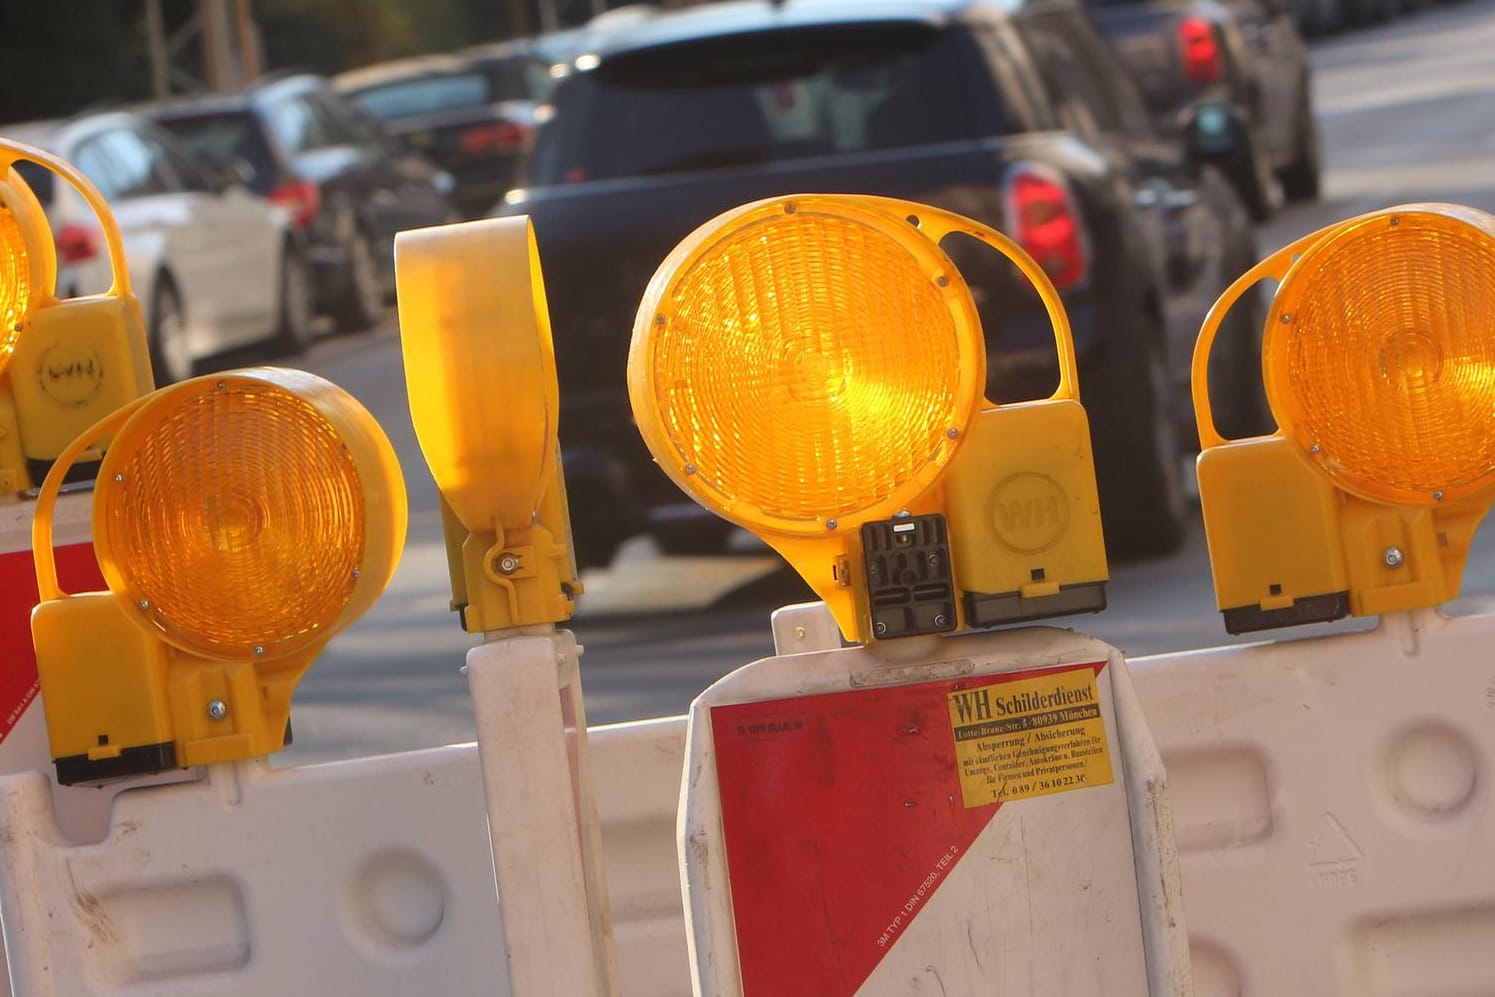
(15, 282)
(1381, 360)
(805, 367)
(234, 520)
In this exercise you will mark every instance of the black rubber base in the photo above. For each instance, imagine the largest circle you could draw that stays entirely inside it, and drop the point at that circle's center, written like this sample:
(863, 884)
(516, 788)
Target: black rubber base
(1310, 609)
(984, 609)
(147, 759)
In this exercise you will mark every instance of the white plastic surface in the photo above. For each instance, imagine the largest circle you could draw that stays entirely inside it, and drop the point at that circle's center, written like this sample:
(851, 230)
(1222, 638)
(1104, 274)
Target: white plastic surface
(1331, 799)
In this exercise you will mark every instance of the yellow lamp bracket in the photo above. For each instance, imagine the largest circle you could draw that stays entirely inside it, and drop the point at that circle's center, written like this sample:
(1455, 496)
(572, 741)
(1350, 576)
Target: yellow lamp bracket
(64, 364)
(1379, 364)
(240, 521)
(480, 372)
(811, 368)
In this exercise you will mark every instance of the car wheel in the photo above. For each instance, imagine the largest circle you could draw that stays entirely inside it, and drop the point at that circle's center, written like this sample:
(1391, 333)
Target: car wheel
(171, 353)
(1255, 181)
(1238, 397)
(294, 333)
(1136, 445)
(1302, 178)
(362, 302)
(696, 538)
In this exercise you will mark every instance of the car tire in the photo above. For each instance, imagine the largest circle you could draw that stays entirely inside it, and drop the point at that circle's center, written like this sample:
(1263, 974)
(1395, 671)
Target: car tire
(1237, 395)
(1255, 181)
(362, 301)
(696, 538)
(1134, 438)
(297, 305)
(1302, 179)
(166, 335)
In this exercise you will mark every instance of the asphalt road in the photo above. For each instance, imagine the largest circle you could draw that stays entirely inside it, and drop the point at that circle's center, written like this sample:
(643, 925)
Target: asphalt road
(1407, 113)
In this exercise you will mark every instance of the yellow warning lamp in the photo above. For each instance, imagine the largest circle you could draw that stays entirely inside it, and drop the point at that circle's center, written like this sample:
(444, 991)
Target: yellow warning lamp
(1379, 365)
(480, 372)
(64, 364)
(812, 367)
(240, 521)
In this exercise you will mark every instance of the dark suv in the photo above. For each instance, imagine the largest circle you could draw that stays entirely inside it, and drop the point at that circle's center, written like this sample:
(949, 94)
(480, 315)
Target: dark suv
(348, 184)
(1230, 77)
(1020, 117)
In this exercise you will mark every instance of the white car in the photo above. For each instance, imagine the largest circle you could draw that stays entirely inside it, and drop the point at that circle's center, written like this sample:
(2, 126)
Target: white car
(215, 267)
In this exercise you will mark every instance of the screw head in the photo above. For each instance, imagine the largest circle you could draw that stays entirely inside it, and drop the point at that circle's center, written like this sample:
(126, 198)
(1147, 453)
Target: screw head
(953, 433)
(356, 574)
(1438, 496)
(217, 710)
(258, 651)
(119, 479)
(1285, 319)
(800, 633)
(1395, 220)
(1394, 557)
(507, 564)
(1315, 449)
(690, 469)
(880, 628)
(942, 281)
(941, 620)
(144, 604)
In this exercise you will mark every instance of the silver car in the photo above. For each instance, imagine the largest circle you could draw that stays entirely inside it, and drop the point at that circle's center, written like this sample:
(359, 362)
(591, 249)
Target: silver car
(215, 267)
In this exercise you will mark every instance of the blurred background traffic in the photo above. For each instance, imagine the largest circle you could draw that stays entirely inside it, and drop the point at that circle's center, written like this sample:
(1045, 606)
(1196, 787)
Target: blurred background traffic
(260, 156)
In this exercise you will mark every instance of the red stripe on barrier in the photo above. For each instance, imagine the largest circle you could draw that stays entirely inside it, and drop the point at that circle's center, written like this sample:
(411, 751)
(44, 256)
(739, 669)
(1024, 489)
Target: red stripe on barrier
(78, 571)
(842, 815)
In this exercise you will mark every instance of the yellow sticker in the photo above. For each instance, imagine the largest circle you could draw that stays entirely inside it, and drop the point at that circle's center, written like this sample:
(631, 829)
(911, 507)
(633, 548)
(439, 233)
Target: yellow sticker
(1029, 737)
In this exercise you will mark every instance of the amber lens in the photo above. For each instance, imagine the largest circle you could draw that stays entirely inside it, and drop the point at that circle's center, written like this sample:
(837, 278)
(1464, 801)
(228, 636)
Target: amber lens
(234, 519)
(1384, 367)
(15, 282)
(806, 367)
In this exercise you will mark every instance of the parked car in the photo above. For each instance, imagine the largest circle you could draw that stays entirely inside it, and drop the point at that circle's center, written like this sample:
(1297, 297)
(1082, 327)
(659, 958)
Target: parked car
(349, 185)
(1021, 118)
(472, 113)
(1233, 78)
(215, 266)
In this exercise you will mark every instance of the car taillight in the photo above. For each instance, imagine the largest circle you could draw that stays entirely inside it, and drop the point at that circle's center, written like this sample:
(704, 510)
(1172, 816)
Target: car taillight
(1044, 220)
(301, 197)
(1201, 50)
(78, 243)
(500, 136)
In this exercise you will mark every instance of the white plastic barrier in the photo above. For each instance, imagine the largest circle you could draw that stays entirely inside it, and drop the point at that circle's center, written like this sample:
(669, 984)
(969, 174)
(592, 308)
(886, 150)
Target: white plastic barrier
(1329, 795)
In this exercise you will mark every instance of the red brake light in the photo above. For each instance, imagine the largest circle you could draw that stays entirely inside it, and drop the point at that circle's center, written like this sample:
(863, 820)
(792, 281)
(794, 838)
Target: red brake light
(302, 197)
(1201, 50)
(499, 136)
(78, 243)
(1046, 223)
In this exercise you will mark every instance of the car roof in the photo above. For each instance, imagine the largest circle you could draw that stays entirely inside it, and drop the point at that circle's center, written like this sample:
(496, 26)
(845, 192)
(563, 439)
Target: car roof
(60, 134)
(266, 87)
(415, 67)
(649, 27)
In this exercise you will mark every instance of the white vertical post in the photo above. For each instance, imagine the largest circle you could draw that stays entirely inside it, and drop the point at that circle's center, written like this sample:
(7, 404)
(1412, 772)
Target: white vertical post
(542, 814)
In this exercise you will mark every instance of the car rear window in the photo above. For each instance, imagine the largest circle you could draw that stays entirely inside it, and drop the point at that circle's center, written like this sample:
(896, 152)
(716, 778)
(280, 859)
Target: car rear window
(737, 100)
(221, 138)
(424, 95)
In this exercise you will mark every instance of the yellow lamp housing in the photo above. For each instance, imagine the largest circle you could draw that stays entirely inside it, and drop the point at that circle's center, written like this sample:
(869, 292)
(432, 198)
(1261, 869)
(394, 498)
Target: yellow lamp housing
(240, 521)
(811, 368)
(480, 372)
(1378, 360)
(64, 364)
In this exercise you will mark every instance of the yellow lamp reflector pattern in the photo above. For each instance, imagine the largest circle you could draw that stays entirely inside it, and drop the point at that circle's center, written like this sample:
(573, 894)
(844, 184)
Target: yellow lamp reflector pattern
(802, 363)
(1379, 357)
(242, 514)
(15, 282)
